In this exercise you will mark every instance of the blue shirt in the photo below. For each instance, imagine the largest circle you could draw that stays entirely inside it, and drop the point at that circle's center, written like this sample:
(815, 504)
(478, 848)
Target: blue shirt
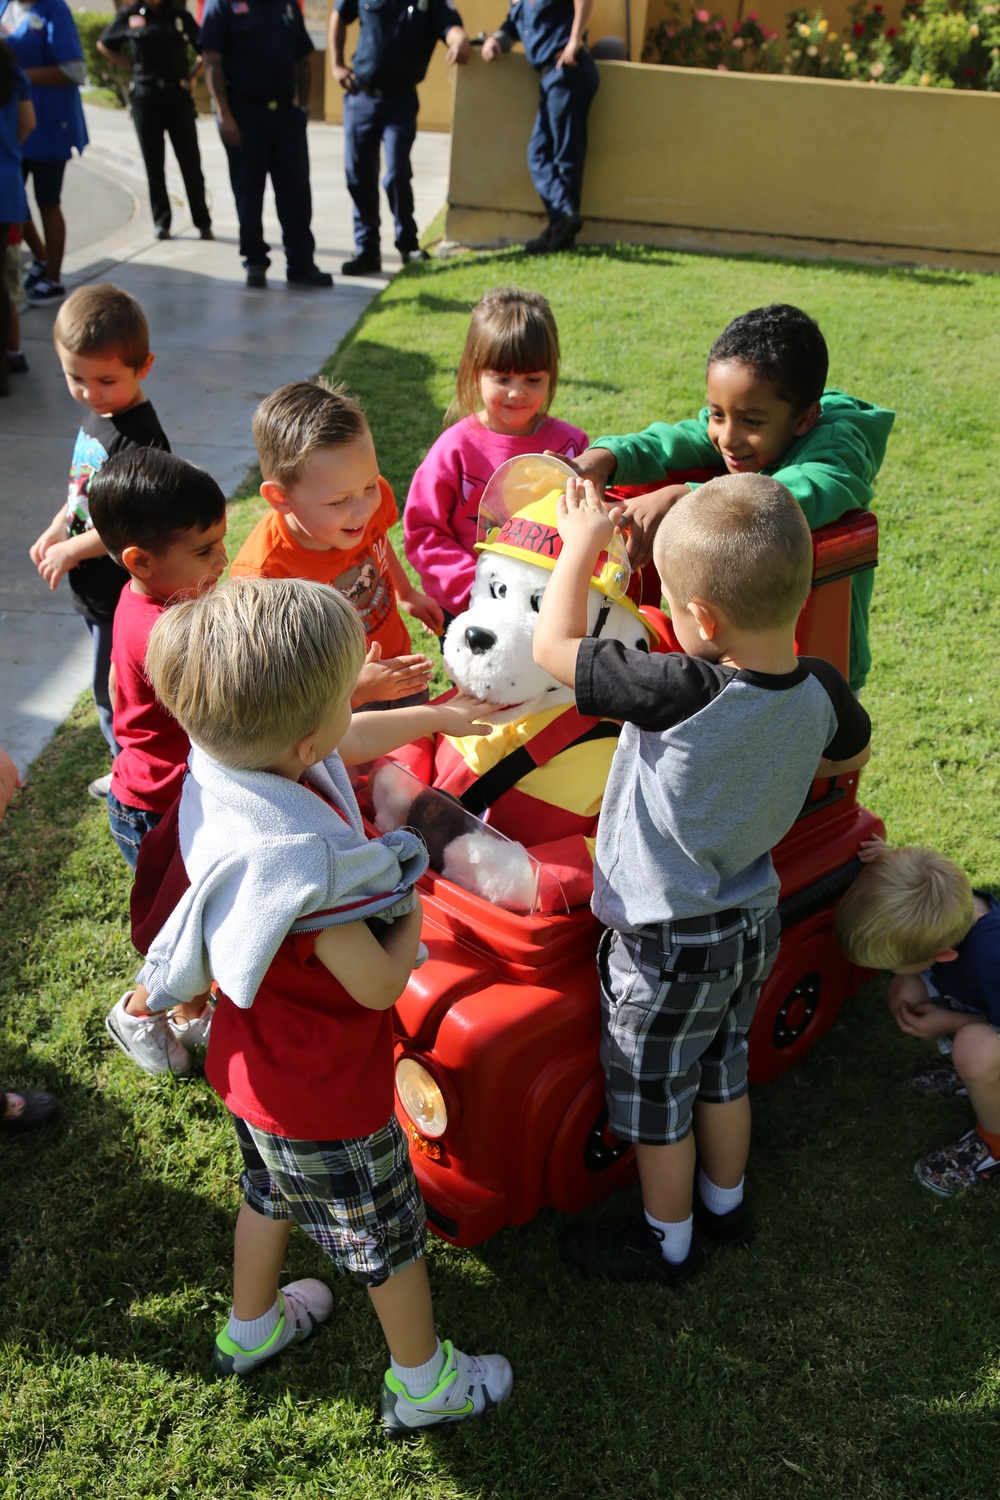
(260, 43)
(543, 27)
(973, 978)
(397, 38)
(13, 203)
(46, 38)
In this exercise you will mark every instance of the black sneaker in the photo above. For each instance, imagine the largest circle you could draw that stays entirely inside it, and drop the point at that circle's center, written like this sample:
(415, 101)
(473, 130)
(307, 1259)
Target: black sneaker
(410, 257)
(163, 233)
(45, 291)
(17, 364)
(560, 235)
(540, 244)
(628, 1251)
(362, 265)
(206, 233)
(311, 277)
(736, 1228)
(257, 277)
(33, 274)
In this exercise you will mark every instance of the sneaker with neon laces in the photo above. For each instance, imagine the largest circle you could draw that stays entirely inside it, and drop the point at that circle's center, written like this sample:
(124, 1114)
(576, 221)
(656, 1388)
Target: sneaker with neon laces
(955, 1169)
(470, 1386)
(192, 1035)
(147, 1040)
(303, 1306)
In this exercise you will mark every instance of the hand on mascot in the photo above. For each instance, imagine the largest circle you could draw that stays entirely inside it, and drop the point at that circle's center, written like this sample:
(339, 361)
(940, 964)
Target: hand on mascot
(583, 519)
(461, 716)
(425, 609)
(384, 681)
(643, 514)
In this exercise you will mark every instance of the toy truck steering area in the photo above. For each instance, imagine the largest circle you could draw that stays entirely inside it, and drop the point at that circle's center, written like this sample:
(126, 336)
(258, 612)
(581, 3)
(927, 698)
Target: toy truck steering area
(498, 1083)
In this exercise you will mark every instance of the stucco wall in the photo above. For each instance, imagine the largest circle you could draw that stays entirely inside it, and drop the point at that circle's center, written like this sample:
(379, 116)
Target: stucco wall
(703, 154)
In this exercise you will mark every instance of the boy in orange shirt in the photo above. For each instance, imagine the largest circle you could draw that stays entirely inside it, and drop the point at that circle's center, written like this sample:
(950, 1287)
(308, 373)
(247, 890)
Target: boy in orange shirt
(329, 520)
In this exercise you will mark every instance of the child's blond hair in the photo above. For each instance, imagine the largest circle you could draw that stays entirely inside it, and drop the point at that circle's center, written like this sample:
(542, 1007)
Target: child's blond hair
(512, 332)
(906, 907)
(297, 419)
(255, 665)
(742, 543)
(103, 319)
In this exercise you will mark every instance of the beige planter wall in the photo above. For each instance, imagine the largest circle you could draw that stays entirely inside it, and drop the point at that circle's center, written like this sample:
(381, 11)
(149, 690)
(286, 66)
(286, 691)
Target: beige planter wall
(679, 155)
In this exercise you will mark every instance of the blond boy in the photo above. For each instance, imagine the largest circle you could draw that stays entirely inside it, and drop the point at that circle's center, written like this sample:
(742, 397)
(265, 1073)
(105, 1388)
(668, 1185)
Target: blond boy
(280, 879)
(102, 341)
(329, 520)
(717, 753)
(914, 911)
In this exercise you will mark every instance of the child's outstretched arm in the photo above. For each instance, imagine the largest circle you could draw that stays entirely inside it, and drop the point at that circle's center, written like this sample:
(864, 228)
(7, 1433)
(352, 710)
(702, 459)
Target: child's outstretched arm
(423, 608)
(373, 970)
(397, 677)
(586, 527)
(372, 735)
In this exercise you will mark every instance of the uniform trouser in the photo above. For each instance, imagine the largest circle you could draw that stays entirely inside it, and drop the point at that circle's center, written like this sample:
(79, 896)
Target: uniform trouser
(273, 142)
(558, 145)
(169, 110)
(368, 124)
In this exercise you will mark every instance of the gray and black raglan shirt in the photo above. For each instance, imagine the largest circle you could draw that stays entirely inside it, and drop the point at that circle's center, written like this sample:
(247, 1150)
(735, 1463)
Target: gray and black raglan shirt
(711, 770)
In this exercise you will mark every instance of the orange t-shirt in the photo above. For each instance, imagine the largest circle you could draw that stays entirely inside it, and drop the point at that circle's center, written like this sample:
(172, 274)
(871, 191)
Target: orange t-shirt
(360, 573)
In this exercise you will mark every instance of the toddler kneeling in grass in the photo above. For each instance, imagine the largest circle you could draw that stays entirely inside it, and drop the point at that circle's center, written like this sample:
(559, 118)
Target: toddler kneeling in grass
(262, 878)
(914, 911)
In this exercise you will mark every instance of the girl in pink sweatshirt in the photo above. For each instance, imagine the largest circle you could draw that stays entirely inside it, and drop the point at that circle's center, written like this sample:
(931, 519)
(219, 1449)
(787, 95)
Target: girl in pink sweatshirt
(506, 381)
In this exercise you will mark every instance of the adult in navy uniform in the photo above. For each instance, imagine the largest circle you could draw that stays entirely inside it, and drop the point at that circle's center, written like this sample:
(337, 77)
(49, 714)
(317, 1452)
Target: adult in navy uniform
(256, 56)
(161, 39)
(554, 34)
(395, 44)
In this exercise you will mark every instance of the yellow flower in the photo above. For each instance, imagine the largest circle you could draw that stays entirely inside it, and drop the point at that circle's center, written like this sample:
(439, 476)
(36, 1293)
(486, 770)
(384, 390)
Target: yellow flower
(824, 26)
(925, 79)
(850, 57)
(832, 37)
(804, 30)
(973, 29)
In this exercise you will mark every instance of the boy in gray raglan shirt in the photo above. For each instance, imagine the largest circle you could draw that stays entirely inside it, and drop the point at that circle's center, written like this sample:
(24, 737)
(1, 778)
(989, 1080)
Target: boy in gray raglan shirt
(717, 753)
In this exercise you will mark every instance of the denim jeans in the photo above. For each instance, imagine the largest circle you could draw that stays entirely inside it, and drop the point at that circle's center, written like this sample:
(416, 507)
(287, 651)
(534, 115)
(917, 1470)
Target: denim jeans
(100, 631)
(128, 827)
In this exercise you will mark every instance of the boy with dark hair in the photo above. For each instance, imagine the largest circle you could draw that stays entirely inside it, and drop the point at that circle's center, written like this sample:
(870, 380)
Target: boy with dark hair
(767, 413)
(914, 911)
(330, 513)
(165, 519)
(720, 744)
(102, 340)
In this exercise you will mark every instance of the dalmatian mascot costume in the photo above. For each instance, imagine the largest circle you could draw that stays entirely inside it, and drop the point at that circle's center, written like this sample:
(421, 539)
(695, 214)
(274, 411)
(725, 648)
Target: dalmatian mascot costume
(538, 778)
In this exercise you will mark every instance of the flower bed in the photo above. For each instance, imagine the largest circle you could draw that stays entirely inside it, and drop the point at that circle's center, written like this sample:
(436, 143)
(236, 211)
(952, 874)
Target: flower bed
(937, 44)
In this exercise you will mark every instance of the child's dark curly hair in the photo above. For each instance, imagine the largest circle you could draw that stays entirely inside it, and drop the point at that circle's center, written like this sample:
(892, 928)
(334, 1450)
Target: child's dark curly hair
(783, 345)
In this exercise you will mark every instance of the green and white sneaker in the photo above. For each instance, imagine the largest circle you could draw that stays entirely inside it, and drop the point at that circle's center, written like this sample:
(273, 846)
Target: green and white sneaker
(469, 1386)
(304, 1305)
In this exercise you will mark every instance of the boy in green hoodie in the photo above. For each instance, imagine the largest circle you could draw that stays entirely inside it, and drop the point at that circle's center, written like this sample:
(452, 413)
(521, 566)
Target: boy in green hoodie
(767, 413)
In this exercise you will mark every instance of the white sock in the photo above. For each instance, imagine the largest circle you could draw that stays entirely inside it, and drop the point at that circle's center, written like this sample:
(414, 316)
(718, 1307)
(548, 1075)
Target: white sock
(719, 1200)
(420, 1380)
(675, 1239)
(250, 1333)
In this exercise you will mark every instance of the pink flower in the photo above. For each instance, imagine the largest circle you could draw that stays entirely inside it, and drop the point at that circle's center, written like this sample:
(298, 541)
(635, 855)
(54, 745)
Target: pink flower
(738, 42)
(891, 31)
(753, 16)
(721, 68)
(702, 16)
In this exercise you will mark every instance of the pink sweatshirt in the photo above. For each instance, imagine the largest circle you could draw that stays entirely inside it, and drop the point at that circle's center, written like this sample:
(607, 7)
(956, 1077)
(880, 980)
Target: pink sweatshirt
(439, 522)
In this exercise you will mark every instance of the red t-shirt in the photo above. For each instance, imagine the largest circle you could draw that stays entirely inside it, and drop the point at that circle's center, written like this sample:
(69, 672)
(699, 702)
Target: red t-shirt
(360, 573)
(154, 748)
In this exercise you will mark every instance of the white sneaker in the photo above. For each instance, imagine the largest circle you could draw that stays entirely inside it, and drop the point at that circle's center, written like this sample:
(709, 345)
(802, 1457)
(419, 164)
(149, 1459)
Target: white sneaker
(192, 1035)
(100, 787)
(147, 1040)
(304, 1306)
(470, 1386)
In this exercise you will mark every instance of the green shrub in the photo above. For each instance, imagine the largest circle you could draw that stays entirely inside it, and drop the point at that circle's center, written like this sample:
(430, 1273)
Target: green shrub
(100, 73)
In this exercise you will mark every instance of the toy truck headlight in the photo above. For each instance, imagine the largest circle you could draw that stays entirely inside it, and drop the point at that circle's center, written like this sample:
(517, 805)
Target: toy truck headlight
(421, 1097)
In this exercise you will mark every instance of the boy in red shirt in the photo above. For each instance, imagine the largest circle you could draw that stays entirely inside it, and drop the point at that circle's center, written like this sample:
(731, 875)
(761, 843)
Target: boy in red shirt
(331, 511)
(165, 519)
(264, 878)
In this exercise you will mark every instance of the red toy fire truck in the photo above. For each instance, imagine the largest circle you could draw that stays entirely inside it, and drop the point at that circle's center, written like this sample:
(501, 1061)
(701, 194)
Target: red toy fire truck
(497, 1075)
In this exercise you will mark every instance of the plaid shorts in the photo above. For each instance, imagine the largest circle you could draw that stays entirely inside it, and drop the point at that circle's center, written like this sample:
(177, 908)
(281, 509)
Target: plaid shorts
(358, 1199)
(677, 1000)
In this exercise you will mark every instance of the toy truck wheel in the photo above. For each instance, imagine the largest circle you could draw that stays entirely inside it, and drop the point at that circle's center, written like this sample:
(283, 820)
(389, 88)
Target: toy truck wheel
(586, 1161)
(801, 998)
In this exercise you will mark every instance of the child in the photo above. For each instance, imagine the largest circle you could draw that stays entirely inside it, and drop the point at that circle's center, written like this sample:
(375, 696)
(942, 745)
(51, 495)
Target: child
(715, 759)
(330, 514)
(102, 341)
(165, 519)
(914, 911)
(506, 380)
(268, 850)
(767, 413)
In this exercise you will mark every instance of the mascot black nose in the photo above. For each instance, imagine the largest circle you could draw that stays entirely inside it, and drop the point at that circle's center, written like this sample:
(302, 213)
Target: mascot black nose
(479, 641)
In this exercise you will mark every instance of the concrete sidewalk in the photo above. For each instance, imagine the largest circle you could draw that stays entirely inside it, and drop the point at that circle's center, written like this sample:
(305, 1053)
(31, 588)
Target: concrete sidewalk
(219, 349)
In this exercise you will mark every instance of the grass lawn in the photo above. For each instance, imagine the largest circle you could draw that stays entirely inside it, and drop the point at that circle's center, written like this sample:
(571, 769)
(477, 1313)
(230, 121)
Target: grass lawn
(854, 1350)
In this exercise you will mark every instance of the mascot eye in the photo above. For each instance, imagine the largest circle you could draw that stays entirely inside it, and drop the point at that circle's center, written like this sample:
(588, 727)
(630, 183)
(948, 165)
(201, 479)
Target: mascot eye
(642, 645)
(536, 601)
(498, 590)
